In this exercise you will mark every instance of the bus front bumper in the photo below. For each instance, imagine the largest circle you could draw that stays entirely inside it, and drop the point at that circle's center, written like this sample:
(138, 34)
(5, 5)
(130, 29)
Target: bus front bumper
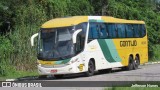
(55, 71)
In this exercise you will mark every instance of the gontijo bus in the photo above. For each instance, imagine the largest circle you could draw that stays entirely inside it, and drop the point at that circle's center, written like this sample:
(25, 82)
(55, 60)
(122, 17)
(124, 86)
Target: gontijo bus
(90, 43)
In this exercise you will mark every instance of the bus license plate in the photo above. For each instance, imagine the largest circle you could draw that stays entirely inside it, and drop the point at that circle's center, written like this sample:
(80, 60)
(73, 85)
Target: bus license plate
(53, 71)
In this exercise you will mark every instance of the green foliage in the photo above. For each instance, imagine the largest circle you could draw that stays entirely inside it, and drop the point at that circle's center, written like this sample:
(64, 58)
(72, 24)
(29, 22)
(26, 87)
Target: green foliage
(26, 17)
(5, 49)
(156, 50)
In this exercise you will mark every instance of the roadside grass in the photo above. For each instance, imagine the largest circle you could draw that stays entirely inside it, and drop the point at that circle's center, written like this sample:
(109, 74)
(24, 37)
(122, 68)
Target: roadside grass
(155, 56)
(131, 88)
(19, 74)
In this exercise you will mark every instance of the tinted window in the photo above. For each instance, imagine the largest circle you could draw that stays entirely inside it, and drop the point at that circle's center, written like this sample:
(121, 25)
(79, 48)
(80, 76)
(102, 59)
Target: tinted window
(93, 31)
(97, 30)
(136, 30)
(102, 30)
(82, 26)
(112, 32)
(81, 37)
(129, 31)
(142, 30)
(121, 30)
(109, 30)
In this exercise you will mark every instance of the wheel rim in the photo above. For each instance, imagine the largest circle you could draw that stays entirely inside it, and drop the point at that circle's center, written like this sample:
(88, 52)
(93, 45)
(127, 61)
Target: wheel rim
(131, 66)
(91, 68)
(136, 62)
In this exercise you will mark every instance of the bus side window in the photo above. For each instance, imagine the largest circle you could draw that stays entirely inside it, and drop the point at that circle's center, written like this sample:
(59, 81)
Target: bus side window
(142, 30)
(112, 31)
(102, 31)
(80, 42)
(93, 32)
(81, 37)
(136, 30)
(109, 27)
(121, 30)
(90, 36)
(129, 31)
(115, 31)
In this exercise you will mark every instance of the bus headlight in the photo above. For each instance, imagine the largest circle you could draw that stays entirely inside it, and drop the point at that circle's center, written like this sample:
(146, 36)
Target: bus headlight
(37, 63)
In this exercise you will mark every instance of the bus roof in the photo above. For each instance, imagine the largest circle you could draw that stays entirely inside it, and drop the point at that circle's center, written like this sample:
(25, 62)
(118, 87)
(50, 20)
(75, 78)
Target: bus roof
(118, 20)
(74, 20)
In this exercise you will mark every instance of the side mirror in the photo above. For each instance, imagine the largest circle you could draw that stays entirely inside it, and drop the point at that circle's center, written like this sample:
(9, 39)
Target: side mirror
(74, 37)
(32, 39)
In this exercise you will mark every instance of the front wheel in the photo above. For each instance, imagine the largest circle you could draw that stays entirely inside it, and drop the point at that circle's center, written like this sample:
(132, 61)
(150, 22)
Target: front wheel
(130, 64)
(91, 68)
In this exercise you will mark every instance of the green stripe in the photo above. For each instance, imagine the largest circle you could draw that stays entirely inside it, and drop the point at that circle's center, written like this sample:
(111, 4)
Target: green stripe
(66, 61)
(109, 51)
(94, 20)
(62, 61)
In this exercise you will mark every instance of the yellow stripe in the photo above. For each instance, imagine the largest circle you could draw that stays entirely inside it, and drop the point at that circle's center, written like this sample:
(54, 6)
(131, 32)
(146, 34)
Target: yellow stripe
(63, 22)
(117, 20)
(70, 21)
(46, 62)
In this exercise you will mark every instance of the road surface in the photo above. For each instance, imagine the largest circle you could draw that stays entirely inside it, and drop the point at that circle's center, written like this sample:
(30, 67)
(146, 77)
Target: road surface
(143, 73)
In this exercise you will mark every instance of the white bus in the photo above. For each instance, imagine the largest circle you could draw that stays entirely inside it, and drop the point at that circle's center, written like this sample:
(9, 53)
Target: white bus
(90, 43)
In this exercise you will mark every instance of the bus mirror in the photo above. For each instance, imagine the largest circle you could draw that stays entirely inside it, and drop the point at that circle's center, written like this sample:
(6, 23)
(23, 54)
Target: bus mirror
(32, 39)
(75, 35)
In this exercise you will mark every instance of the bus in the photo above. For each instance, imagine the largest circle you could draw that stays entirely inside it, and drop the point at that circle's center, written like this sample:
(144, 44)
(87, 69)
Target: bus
(85, 44)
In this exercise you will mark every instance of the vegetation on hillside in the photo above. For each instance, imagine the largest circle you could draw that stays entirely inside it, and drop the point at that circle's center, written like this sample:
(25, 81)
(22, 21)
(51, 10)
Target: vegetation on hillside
(20, 19)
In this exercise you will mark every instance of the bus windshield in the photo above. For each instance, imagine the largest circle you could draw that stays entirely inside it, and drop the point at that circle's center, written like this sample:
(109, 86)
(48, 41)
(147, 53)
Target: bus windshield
(56, 44)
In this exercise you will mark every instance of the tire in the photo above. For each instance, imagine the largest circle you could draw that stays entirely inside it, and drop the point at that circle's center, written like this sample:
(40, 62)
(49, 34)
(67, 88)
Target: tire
(136, 63)
(130, 64)
(91, 68)
(58, 76)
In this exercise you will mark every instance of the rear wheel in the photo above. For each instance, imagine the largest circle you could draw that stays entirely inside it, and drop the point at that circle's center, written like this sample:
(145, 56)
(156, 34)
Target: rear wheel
(91, 68)
(136, 63)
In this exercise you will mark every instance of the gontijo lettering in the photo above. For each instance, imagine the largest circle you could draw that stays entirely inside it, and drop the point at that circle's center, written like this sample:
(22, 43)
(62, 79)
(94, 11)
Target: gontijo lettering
(128, 43)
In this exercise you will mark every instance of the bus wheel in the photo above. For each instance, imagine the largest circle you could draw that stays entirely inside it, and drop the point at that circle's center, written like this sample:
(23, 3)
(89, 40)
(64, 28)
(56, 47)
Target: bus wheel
(58, 76)
(130, 65)
(136, 63)
(91, 68)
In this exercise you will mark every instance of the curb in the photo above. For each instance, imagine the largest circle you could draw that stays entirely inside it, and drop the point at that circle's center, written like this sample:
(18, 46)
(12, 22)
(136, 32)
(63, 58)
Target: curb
(150, 63)
(11, 79)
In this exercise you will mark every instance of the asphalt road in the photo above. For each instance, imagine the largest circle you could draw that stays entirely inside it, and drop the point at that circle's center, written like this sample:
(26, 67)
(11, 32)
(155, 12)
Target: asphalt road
(143, 73)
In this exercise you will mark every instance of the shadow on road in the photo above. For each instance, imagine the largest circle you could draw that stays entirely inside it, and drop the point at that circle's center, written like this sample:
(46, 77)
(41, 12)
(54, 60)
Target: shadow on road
(69, 76)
